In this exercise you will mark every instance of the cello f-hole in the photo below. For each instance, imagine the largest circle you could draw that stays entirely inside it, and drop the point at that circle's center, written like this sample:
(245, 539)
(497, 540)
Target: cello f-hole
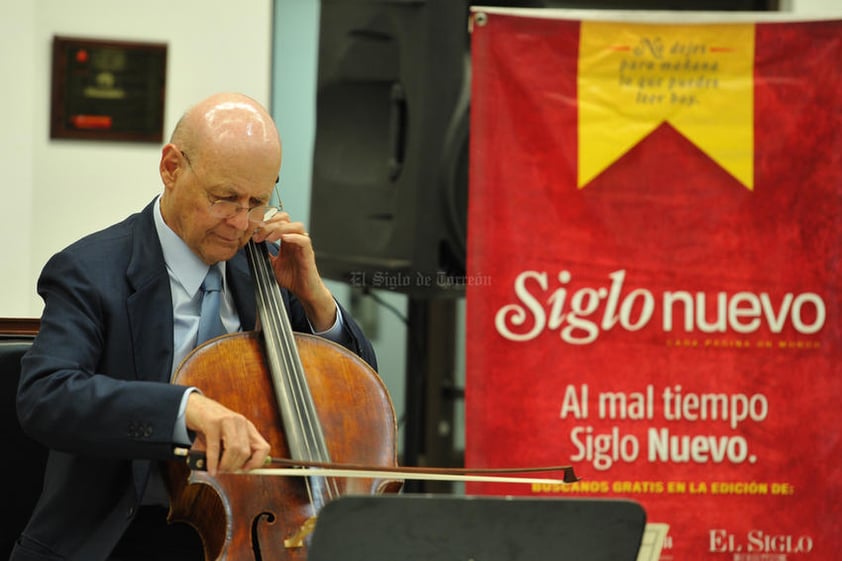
(262, 518)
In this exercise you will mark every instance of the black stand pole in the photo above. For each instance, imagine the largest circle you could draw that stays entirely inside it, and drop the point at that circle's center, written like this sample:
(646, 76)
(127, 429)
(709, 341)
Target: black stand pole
(430, 351)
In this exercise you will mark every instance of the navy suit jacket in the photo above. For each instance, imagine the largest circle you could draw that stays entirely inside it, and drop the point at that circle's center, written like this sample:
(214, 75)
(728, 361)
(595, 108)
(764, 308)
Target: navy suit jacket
(90, 385)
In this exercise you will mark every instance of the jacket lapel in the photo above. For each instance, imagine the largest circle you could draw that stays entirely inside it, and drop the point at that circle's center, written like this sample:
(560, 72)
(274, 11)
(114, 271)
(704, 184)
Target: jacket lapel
(150, 306)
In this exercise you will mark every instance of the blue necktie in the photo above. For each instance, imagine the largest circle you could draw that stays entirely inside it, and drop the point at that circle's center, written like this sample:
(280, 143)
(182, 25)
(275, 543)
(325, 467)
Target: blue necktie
(210, 324)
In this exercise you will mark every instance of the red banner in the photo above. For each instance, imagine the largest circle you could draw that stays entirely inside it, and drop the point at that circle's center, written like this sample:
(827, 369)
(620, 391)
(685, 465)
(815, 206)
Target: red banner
(654, 213)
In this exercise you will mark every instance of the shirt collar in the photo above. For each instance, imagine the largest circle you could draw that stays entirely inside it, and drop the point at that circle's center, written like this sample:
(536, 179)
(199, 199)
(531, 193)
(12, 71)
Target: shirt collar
(183, 265)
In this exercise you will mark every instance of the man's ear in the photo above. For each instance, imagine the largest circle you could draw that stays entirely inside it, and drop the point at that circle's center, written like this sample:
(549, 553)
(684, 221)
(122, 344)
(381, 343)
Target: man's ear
(171, 165)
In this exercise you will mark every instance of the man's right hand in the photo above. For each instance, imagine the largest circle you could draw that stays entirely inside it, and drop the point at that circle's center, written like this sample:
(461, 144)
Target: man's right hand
(230, 441)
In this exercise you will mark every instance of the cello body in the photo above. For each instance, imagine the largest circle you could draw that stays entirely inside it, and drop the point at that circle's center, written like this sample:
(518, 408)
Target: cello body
(242, 517)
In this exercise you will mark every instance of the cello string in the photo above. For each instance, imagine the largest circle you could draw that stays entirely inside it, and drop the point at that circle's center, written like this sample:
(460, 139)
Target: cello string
(312, 426)
(277, 353)
(306, 413)
(295, 377)
(278, 348)
(308, 440)
(273, 337)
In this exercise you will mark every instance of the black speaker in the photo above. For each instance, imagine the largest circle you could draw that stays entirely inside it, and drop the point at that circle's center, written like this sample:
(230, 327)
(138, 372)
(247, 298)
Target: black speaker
(389, 193)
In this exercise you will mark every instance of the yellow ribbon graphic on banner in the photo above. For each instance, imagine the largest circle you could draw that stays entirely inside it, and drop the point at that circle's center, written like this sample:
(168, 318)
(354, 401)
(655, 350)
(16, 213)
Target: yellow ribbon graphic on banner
(699, 78)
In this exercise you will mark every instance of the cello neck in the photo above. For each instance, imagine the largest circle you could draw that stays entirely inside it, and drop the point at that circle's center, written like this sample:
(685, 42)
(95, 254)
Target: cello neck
(302, 427)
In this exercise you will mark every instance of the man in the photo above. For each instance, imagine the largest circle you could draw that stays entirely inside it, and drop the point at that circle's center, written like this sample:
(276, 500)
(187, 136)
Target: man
(122, 309)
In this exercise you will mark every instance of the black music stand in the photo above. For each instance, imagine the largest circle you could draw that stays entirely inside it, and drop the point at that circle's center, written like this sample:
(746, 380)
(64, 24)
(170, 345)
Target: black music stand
(455, 528)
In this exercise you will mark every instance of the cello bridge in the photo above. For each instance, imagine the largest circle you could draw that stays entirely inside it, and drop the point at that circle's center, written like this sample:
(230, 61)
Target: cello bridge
(297, 539)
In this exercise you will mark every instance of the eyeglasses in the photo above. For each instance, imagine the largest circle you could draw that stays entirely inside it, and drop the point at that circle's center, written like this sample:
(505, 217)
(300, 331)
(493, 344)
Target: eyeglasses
(225, 210)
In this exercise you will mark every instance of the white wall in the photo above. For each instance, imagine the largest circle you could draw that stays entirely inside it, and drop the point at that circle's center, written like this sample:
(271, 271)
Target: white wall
(55, 191)
(813, 7)
(17, 22)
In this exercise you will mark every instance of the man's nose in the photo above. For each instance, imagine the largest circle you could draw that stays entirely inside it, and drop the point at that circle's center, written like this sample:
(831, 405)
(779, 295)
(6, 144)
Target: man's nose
(240, 219)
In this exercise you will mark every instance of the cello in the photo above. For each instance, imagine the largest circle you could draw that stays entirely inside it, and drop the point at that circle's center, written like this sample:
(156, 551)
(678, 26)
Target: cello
(314, 401)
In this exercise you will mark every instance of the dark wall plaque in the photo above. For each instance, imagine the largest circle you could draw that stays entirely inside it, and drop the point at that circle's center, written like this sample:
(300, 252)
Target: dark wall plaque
(108, 90)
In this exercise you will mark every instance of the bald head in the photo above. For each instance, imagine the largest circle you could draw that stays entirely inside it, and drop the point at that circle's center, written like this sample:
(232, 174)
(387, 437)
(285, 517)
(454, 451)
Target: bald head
(227, 123)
